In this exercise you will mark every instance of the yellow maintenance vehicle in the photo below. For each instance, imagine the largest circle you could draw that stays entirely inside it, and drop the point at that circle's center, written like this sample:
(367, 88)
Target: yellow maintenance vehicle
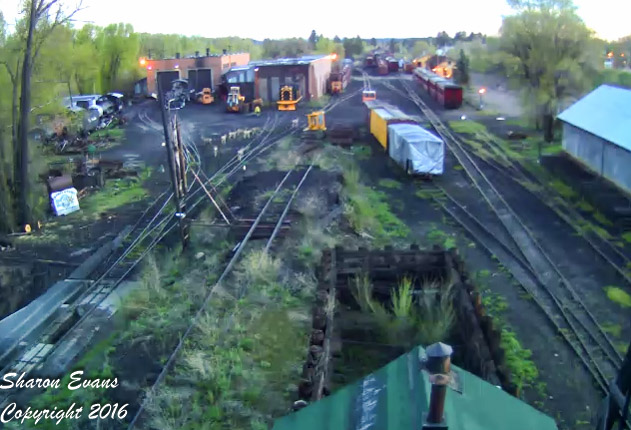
(316, 125)
(235, 102)
(205, 97)
(288, 98)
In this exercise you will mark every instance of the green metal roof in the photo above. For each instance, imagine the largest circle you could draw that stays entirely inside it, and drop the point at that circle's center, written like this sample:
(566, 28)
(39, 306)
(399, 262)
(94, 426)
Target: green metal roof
(396, 396)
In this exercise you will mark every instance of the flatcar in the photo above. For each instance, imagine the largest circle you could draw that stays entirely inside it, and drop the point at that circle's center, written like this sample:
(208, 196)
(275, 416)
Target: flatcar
(444, 91)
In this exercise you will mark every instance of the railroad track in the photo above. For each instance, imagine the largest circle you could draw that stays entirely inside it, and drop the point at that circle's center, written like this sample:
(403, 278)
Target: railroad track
(298, 178)
(552, 291)
(514, 171)
(151, 227)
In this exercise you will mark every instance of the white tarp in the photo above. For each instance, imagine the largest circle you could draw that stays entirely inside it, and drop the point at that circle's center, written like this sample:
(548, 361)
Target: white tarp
(65, 201)
(412, 143)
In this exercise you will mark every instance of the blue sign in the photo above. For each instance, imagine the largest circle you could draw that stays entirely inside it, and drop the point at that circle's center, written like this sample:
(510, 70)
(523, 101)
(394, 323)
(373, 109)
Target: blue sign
(65, 201)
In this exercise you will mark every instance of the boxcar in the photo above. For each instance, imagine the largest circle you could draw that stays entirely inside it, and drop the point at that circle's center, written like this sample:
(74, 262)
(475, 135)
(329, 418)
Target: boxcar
(383, 116)
(393, 64)
(444, 91)
(449, 94)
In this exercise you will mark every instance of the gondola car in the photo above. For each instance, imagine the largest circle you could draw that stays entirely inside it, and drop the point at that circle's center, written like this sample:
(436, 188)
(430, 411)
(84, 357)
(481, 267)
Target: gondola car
(444, 91)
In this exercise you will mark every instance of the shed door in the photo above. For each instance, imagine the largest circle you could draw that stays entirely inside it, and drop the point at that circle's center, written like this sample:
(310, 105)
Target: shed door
(165, 78)
(263, 89)
(192, 80)
(204, 79)
(275, 87)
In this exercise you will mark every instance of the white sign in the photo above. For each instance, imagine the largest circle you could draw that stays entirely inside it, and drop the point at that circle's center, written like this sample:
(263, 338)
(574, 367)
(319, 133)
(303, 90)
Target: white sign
(65, 201)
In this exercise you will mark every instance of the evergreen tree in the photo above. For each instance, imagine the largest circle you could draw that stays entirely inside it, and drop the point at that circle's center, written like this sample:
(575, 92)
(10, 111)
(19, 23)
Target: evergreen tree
(313, 39)
(463, 69)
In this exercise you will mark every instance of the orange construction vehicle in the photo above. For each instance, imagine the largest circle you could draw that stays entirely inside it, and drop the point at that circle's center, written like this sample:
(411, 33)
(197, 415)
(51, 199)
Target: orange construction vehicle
(205, 97)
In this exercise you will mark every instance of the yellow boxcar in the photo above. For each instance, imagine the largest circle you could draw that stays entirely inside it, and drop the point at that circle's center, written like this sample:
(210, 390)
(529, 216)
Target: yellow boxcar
(379, 120)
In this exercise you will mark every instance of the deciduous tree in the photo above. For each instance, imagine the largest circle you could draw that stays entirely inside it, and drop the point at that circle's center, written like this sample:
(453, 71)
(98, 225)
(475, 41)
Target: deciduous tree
(552, 45)
(41, 17)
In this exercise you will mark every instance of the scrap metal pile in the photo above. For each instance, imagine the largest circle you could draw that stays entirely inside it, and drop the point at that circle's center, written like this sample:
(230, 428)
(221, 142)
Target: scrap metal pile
(70, 132)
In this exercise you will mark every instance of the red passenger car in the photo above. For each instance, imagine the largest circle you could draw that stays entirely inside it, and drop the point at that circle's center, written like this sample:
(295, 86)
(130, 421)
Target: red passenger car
(393, 64)
(444, 91)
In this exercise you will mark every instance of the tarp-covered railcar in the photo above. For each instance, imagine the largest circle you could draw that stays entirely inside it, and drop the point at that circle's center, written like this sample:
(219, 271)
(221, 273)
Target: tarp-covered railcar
(415, 149)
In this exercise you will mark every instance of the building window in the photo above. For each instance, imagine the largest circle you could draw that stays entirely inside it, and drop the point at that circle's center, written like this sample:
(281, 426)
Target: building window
(225, 66)
(234, 63)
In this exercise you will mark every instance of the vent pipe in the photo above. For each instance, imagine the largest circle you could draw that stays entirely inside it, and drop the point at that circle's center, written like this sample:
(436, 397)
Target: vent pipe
(196, 53)
(208, 52)
(225, 51)
(439, 366)
(177, 55)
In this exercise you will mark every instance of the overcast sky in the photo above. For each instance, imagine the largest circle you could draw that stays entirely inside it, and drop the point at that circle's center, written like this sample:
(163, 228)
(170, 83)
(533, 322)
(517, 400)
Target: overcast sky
(277, 19)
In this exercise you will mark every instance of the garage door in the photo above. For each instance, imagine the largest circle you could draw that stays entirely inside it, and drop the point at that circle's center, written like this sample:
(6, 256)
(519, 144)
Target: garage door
(199, 79)
(165, 78)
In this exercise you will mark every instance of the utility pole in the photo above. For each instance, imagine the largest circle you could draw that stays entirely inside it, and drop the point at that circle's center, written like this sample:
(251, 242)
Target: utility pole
(176, 160)
(616, 404)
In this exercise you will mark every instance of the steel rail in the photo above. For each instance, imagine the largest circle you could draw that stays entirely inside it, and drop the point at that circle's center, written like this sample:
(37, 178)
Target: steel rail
(524, 238)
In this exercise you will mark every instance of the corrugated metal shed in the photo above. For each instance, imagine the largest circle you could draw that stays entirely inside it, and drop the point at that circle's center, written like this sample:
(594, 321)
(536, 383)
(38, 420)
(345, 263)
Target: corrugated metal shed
(605, 112)
(307, 59)
(396, 396)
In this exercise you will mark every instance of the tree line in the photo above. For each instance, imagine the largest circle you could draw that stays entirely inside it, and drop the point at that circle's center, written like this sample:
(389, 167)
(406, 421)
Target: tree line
(46, 57)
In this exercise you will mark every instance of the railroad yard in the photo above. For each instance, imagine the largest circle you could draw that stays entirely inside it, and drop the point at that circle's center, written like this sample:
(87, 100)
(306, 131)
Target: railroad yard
(295, 248)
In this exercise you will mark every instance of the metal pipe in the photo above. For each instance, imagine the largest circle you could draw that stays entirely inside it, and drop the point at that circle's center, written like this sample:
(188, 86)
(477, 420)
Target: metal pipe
(437, 399)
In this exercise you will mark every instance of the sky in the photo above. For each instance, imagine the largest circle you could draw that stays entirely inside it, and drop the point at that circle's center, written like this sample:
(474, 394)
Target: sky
(345, 18)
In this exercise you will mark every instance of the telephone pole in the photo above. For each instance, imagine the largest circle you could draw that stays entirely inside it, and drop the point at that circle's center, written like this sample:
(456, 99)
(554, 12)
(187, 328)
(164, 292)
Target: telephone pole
(176, 160)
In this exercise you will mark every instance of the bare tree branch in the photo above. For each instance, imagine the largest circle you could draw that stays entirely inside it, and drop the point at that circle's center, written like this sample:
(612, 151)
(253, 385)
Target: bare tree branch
(57, 22)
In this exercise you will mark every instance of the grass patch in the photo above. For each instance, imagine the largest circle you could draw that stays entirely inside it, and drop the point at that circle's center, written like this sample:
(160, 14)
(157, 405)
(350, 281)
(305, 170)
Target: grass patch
(439, 237)
(519, 122)
(319, 103)
(518, 359)
(428, 194)
(523, 370)
(115, 193)
(552, 149)
(111, 133)
(409, 319)
(612, 329)
(598, 216)
(626, 237)
(467, 127)
(390, 183)
(363, 152)
(563, 189)
(368, 212)
(585, 206)
(619, 296)
(621, 347)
